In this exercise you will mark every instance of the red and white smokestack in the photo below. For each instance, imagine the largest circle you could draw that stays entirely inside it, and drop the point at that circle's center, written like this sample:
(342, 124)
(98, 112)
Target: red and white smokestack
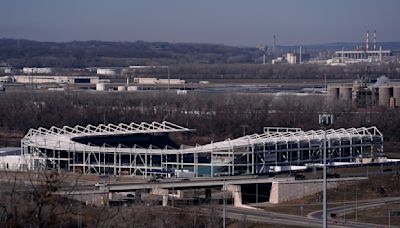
(374, 40)
(367, 41)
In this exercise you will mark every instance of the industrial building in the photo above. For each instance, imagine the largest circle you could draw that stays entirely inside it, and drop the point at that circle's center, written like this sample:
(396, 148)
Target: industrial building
(5, 70)
(6, 79)
(363, 54)
(364, 95)
(43, 79)
(373, 54)
(155, 81)
(146, 149)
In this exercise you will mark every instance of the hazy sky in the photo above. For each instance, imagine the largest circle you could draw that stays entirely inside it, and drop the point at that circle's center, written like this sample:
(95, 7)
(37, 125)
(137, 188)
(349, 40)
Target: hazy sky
(232, 22)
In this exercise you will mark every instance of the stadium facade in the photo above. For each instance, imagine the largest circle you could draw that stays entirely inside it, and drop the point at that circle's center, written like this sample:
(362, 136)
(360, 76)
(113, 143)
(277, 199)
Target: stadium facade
(146, 149)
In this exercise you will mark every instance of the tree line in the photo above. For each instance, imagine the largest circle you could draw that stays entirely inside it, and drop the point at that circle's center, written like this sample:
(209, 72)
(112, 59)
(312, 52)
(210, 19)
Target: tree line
(215, 116)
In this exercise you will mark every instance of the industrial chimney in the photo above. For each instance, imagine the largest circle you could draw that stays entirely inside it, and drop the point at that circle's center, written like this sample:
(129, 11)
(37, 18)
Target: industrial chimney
(367, 41)
(375, 40)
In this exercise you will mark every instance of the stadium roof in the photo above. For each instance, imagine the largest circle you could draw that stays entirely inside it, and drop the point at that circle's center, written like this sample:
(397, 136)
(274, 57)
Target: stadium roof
(61, 138)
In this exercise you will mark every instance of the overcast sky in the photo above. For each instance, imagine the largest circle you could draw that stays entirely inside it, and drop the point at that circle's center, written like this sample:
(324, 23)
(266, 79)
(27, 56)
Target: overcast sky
(231, 22)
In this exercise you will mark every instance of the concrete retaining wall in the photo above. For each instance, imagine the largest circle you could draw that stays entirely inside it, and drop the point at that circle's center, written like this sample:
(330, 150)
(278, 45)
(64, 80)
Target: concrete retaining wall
(282, 191)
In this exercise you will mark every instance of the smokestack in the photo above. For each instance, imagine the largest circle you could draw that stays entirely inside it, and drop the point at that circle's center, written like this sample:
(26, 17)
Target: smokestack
(367, 41)
(300, 54)
(374, 40)
(274, 46)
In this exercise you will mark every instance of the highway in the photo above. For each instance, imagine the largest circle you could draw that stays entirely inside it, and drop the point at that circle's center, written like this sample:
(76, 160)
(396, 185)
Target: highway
(272, 217)
(346, 209)
(314, 219)
(208, 182)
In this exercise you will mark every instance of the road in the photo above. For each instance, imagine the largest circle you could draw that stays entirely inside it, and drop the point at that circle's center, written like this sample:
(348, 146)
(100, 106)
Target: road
(346, 209)
(273, 217)
(313, 219)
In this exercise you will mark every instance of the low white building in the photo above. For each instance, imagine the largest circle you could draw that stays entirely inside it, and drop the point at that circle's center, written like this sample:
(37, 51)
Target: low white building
(36, 70)
(11, 159)
(107, 71)
(5, 70)
(6, 79)
(42, 79)
(154, 81)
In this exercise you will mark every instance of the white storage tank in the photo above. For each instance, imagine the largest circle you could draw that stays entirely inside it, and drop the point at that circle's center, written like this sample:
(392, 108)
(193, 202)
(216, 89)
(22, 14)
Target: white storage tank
(132, 88)
(121, 88)
(101, 87)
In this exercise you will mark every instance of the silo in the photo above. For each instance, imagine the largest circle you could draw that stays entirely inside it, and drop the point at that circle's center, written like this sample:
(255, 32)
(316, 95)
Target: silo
(345, 93)
(121, 88)
(375, 95)
(384, 95)
(132, 88)
(100, 86)
(396, 95)
(333, 93)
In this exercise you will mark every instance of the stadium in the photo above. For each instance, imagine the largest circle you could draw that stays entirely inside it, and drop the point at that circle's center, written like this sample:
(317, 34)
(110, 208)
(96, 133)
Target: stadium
(147, 149)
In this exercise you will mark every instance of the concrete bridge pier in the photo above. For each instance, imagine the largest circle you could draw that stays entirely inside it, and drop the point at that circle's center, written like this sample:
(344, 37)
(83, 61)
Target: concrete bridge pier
(179, 194)
(207, 194)
(236, 191)
(165, 200)
(162, 192)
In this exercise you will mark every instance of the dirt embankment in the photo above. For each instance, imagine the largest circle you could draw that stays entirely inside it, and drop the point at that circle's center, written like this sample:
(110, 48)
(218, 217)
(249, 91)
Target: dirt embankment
(376, 186)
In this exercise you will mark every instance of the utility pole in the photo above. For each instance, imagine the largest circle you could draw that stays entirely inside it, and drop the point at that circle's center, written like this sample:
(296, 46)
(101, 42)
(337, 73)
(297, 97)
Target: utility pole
(168, 78)
(344, 206)
(356, 206)
(224, 208)
(244, 126)
(300, 61)
(325, 120)
(257, 195)
(275, 53)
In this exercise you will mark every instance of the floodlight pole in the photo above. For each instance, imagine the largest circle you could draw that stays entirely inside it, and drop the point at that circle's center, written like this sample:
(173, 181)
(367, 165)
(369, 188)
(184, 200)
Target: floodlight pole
(224, 207)
(325, 120)
(325, 217)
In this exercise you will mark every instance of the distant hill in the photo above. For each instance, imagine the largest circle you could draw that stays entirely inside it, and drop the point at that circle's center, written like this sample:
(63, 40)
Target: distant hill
(20, 53)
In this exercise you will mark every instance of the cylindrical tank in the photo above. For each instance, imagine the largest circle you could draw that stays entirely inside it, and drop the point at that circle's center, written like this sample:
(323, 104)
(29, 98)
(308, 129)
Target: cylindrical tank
(101, 87)
(392, 102)
(333, 93)
(121, 88)
(132, 88)
(396, 95)
(345, 93)
(375, 95)
(357, 88)
(384, 95)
